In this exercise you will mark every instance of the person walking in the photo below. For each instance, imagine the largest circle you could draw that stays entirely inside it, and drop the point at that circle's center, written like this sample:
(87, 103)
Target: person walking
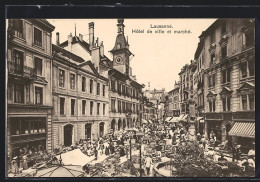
(15, 168)
(148, 162)
(96, 153)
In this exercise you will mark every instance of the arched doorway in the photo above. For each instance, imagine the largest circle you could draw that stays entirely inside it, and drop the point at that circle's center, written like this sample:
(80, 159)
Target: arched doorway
(88, 127)
(101, 129)
(68, 131)
(113, 125)
(124, 124)
(119, 124)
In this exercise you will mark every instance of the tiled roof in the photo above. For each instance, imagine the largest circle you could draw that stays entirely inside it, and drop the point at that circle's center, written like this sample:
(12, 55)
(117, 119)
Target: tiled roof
(67, 54)
(76, 39)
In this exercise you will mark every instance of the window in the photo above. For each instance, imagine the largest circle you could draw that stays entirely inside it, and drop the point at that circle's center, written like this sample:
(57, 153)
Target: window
(104, 109)
(18, 28)
(212, 37)
(38, 95)
(18, 93)
(37, 37)
(113, 105)
(98, 88)
(212, 106)
(23, 126)
(72, 81)
(83, 107)
(251, 67)
(72, 107)
(91, 107)
(123, 89)
(98, 107)
(18, 61)
(61, 78)
(224, 51)
(226, 104)
(212, 58)
(113, 85)
(123, 105)
(104, 90)
(38, 66)
(119, 106)
(90, 86)
(62, 106)
(83, 84)
(244, 102)
(250, 39)
(243, 67)
(223, 28)
(251, 101)
(226, 75)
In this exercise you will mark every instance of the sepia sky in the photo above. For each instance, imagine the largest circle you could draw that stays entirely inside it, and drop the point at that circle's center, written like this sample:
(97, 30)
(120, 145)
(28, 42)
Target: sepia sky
(158, 57)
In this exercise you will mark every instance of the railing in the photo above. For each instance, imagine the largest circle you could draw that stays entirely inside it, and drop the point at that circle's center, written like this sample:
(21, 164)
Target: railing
(21, 70)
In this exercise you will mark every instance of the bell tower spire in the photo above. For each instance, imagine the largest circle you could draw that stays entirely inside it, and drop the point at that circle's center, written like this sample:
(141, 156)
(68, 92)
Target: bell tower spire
(120, 26)
(121, 52)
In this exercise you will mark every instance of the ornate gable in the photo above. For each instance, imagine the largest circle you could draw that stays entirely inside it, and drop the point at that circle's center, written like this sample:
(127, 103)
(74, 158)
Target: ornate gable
(211, 95)
(246, 88)
(225, 92)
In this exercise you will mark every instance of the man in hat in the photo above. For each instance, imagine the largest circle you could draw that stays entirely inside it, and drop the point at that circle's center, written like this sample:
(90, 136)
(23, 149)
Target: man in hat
(14, 163)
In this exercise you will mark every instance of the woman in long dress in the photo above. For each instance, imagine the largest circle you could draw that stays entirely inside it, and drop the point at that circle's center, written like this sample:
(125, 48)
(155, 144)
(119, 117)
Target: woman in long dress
(25, 163)
(15, 168)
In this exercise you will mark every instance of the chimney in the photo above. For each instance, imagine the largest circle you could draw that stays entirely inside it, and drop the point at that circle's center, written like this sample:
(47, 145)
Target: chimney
(57, 38)
(102, 49)
(91, 34)
(134, 77)
(81, 37)
(70, 38)
(97, 43)
(69, 42)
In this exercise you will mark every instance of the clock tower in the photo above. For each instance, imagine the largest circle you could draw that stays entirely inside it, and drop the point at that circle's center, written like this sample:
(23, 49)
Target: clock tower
(121, 51)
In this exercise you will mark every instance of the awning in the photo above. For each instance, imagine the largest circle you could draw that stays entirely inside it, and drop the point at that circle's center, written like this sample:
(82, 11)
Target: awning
(144, 121)
(75, 157)
(179, 118)
(199, 118)
(168, 119)
(243, 129)
(184, 117)
(173, 120)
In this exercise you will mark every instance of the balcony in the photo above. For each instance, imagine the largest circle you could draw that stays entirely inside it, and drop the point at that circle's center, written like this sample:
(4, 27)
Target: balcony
(21, 71)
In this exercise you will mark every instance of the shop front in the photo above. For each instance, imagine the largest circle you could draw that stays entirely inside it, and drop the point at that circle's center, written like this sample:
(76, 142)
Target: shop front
(28, 131)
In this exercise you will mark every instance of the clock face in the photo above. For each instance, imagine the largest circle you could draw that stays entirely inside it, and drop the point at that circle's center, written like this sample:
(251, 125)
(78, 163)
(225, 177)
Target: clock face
(119, 60)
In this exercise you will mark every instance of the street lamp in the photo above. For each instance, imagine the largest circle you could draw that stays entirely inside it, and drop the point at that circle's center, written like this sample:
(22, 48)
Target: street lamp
(139, 136)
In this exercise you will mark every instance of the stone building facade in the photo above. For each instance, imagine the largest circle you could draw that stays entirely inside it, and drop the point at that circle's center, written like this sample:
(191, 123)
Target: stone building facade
(125, 92)
(229, 79)
(29, 94)
(80, 99)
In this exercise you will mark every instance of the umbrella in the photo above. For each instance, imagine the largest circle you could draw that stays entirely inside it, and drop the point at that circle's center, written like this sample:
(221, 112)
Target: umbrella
(61, 171)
